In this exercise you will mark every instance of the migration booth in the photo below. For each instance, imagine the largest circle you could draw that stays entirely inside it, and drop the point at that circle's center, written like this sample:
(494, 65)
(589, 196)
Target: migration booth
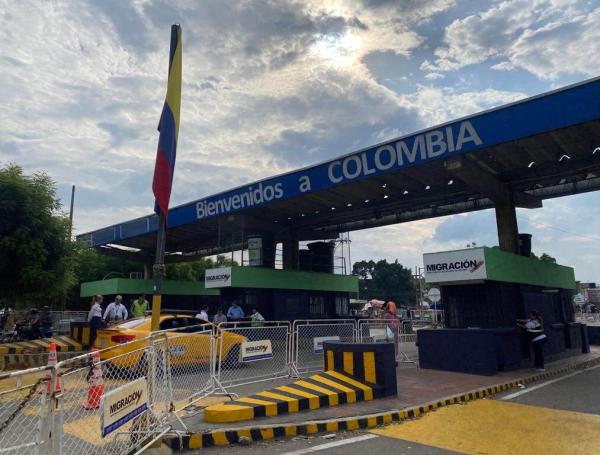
(283, 294)
(312, 291)
(484, 291)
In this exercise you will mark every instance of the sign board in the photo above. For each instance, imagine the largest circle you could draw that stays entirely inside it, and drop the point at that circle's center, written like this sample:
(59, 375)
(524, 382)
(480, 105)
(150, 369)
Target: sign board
(217, 278)
(252, 351)
(177, 350)
(123, 404)
(380, 334)
(255, 251)
(434, 295)
(318, 342)
(461, 265)
(559, 109)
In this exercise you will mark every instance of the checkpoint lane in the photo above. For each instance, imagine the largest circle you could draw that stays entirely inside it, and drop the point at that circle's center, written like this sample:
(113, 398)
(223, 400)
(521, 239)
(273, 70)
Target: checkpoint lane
(556, 417)
(559, 394)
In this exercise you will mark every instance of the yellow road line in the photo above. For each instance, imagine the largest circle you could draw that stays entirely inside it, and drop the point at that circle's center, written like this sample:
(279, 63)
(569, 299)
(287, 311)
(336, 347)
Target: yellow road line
(501, 428)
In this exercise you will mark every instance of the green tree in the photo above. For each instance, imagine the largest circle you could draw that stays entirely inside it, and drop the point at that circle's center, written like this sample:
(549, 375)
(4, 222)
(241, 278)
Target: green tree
(544, 257)
(93, 266)
(37, 256)
(383, 280)
(194, 271)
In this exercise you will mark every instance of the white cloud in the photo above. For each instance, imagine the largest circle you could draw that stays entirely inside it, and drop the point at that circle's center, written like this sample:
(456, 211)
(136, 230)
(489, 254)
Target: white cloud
(438, 105)
(545, 37)
(434, 76)
(268, 87)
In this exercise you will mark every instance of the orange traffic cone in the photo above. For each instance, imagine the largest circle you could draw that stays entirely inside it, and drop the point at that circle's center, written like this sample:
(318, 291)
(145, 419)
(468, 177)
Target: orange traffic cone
(96, 383)
(52, 361)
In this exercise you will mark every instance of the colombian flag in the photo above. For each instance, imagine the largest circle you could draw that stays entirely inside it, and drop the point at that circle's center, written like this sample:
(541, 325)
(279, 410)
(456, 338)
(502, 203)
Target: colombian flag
(168, 126)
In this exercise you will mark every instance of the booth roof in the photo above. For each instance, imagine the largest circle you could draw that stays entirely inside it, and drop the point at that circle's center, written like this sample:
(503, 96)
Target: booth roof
(541, 147)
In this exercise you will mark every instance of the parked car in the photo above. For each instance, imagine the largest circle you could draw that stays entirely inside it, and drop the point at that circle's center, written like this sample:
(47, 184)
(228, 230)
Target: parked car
(189, 341)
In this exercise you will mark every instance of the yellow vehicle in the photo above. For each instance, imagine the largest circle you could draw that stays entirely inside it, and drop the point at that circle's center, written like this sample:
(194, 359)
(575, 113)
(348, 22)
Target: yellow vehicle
(188, 340)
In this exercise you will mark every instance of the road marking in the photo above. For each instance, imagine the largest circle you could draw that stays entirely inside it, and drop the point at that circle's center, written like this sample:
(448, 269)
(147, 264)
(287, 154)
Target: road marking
(501, 428)
(330, 445)
(544, 384)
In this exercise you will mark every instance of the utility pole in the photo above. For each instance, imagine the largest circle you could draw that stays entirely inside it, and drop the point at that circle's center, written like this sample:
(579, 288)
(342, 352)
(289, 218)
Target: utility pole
(71, 211)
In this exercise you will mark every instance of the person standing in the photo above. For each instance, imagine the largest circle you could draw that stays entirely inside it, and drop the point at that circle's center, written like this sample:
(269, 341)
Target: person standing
(203, 313)
(534, 326)
(139, 306)
(390, 314)
(115, 311)
(235, 312)
(219, 317)
(95, 317)
(256, 319)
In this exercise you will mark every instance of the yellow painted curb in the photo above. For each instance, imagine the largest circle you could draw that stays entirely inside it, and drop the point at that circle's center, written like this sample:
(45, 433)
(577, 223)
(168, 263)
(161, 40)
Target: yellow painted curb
(258, 433)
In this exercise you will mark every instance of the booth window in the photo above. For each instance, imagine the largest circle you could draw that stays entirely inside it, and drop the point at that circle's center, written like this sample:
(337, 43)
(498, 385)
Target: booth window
(341, 305)
(317, 305)
(292, 305)
(251, 299)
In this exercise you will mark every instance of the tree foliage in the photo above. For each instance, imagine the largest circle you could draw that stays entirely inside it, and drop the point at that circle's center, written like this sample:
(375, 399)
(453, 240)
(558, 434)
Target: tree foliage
(194, 271)
(93, 266)
(383, 280)
(544, 257)
(37, 256)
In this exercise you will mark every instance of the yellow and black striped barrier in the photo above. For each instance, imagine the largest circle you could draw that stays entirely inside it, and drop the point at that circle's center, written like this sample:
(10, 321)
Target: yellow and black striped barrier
(223, 437)
(80, 332)
(353, 373)
(34, 353)
(373, 363)
(318, 391)
(63, 344)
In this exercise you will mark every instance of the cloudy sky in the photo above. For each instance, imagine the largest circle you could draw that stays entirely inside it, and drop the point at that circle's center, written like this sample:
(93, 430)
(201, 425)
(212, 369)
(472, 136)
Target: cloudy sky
(273, 85)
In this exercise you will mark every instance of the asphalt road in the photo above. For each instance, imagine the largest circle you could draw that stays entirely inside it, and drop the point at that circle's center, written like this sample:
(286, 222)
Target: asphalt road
(553, 417)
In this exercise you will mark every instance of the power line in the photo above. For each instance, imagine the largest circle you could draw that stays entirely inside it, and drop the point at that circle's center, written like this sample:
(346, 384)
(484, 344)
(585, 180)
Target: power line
(571, 233)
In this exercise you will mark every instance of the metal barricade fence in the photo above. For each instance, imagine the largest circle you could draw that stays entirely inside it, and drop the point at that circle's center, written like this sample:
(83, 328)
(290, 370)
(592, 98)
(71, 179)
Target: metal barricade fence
(308, 338)
(249, 353)
(78, 410)
(23, 412)
(386, 331)
(179, 367)
(191, 364)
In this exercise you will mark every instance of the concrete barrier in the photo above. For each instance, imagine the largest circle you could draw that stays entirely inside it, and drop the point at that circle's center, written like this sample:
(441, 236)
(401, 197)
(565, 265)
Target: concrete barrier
(593, 334)
(80, 331)
(353, 373)
(373, 363)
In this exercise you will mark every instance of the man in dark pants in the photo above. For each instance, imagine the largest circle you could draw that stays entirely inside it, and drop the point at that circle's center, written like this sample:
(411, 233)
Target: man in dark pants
(534, 326)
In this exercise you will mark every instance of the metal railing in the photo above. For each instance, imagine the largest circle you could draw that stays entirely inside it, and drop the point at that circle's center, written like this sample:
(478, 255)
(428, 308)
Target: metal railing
(59, 409)
(308, 337)
(252, 353)
(385, 331)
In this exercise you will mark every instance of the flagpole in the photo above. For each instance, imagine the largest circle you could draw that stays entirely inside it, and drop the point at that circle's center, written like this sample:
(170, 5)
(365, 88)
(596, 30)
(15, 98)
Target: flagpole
(158, 273)
(165, 167)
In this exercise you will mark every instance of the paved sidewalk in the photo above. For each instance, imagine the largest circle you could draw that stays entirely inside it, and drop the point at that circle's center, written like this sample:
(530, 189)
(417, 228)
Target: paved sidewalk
(415, 387)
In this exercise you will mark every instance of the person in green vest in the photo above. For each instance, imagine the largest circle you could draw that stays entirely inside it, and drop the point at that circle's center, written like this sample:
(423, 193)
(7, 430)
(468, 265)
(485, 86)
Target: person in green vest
(139, 306)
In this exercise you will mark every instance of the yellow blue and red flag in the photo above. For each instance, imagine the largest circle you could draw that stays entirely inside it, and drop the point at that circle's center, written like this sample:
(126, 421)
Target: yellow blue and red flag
(168, 126)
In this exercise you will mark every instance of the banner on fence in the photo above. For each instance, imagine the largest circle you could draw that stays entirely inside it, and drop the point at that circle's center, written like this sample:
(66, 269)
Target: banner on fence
(252, 351)
(318, 342)
(122, 404)
(381, 334)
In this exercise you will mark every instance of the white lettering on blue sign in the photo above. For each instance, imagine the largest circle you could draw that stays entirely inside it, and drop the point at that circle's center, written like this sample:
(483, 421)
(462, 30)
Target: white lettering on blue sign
(425, 146)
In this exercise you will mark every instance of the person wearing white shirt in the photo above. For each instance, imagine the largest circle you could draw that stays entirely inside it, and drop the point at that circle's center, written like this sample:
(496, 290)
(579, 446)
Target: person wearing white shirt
(95, 317)
(203, 313)
(115, 311)
(534, 326)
